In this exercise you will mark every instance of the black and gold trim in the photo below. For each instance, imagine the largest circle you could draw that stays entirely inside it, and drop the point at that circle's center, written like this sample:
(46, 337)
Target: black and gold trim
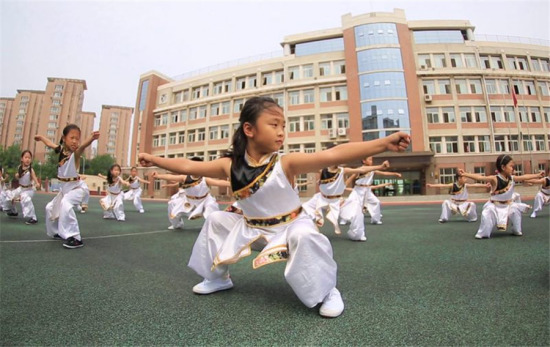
(328, 176)
(246, 180)
(273, 221)
(190, 182)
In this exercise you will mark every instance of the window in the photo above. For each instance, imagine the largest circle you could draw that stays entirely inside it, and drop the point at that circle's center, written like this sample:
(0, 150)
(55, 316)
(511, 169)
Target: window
(324, 69)
(466, 114)
(513, 143)
(181, 137)
(217, 88)
(224, 131)
(461, 86)
(213, 133)
(527, 143)
(214, 110)
(448, 114)
(544, 87)
(202, 112)
(500, 143)
(191, 136)
(469, 143)
(340, 93)
(294, 124)
(174, 117)
(294, 73)
(432, 114)
(439, 60)
(424, 61)
(428, 86)
(326, 121)
(156, 122)
(294, 98)
(444, 86)
(479, 170)
(451, 143)
(484, 143)
(456, 60)
(508, 113)
(325, 94)
(241, 83)
(267, 78)
(238, 105)
(308, 96)
(503, 87)
(307, 70)
(475, 86)
(193, 113)
(225, 107)
(279, 77)
(447, 175)
(340, 67)
(201, 134)
(172, 139)
(470, 60)
(546, 114)
(435, 144)
(343, 120)
(252, 81)
(309, 123)
(227, 87)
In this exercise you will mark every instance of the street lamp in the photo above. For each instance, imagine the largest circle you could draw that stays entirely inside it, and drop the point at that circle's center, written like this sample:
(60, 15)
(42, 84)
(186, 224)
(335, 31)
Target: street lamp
(83, 165)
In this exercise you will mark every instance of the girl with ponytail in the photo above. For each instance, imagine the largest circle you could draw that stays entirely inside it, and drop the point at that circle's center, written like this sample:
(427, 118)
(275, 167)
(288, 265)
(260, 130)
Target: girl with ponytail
(61, 222)
(262, 181)
(24, 193)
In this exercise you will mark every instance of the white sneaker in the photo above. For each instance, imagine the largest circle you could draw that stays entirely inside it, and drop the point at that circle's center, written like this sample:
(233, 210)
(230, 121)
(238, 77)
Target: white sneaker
(141, 211)
(332, 306)
(441, 220)
(533, 215)
(518, 233)
(212, 286)
(377, 223)
(363, 238)
(171, 227)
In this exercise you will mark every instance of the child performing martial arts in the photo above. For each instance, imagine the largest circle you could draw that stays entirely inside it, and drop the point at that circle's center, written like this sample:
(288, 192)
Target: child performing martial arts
(332, 187)
(362, 191)
(3, 189)
(458, 202)
(61, 219)
(113, 204)
(24, 193)
(195, 201)
(134, 193)
(501, 207)
(543, 195)
(262, 182)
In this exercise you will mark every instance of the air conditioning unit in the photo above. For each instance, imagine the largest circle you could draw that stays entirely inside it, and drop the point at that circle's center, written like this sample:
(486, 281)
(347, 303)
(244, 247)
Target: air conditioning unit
(332, 133)
(423, 67)
(341, 131)
(427, 98)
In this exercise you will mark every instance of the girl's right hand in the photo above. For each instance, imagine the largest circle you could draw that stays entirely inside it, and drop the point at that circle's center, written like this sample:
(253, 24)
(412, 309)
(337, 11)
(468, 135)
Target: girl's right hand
(154, 174)
(461, 172)
(398, 142)
(145, 159)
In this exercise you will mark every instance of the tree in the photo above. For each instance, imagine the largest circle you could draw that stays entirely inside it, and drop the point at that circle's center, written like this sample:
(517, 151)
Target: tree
(100, 164)
(10, 158)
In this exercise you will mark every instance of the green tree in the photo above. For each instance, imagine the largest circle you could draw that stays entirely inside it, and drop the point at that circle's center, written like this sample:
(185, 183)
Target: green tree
(100, 164)
(10, 158)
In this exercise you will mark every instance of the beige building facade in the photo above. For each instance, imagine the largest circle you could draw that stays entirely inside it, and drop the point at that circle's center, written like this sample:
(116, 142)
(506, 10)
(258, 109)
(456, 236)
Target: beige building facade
(114, 129)
(376, 74)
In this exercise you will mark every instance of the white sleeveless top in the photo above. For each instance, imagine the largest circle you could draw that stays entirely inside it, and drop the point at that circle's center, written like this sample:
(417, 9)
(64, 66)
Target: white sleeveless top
(25, 180)
(274, 197)
(199, 189)
(67, 169)
(504, 190)
(134, 184)
(335, 185)
(115, 188)
(545, 188)
(366, 179)
(459, 193)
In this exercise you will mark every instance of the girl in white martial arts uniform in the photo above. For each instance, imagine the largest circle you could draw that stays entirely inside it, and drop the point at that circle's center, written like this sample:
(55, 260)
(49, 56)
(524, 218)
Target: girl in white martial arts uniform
(3, 189)
(262, 182)
(113, 204)
(195, 201)
(458, 202)
(332, 187)
(501, 208)
(134, 193)
(543, 195)
(61, 219)
(362, 191)
(24, 193)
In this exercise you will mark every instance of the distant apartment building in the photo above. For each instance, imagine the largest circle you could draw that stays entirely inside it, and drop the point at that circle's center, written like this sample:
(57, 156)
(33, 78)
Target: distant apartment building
(114, 129)
(464, 99)
(86, 123)
(6, 105)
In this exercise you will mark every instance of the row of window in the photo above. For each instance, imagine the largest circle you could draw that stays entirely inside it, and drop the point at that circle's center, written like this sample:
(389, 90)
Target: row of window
(482, 143)
(478, 114)
(296, 97)
(298, 72)
(474, 86)
(294, 124)
(486, 61)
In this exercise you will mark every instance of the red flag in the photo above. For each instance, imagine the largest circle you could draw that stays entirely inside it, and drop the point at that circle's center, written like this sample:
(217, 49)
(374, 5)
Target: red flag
(514, 97)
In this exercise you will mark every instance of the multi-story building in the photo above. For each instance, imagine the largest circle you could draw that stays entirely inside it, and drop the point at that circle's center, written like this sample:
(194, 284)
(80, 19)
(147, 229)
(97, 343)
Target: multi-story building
(376, 74)
(86, 121)
(44, 112)
(115, 129)
(6, 105)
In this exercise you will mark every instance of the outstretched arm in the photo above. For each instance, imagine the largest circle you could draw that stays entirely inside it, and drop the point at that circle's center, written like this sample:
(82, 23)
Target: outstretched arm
(490, 179)
(169, 185)
(298, 163)
(367, 169)
(46, 141)
(381, 185)
(168, 177)
(142, 180)
(101, 176)
(478, 185)
(35, 179)
(439, 185)
(218, 168)
(535, 181)
(86, 143)
(529, 177)
(350, 180)
(387, 173)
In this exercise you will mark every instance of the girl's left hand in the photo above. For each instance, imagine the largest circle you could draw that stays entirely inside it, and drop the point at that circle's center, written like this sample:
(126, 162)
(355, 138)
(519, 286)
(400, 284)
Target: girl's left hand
(145, 159)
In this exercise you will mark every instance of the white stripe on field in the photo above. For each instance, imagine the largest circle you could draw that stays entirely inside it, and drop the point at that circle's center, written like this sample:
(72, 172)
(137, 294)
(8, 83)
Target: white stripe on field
(92, 237)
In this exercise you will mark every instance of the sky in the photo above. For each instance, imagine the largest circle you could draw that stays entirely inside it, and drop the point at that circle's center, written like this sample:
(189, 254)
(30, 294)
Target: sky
(111, 43)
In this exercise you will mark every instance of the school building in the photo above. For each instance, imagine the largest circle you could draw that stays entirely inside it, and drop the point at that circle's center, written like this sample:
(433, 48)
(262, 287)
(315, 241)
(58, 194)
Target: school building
(464, 98)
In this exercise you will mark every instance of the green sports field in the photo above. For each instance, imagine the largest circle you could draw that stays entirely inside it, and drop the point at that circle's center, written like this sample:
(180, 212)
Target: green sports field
(414, 282)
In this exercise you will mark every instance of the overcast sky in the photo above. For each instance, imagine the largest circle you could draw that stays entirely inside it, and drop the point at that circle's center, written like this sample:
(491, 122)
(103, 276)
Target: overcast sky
(110, 44)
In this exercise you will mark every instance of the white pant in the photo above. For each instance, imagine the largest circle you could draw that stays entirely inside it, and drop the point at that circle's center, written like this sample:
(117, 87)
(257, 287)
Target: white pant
(315, 207)
(113, 207)
(467, 209)
(135, 196)
(60, 216)
(496, 215)
(372, 204)
(541, 200)
(181, 206)
(310, 270)
(25, 195)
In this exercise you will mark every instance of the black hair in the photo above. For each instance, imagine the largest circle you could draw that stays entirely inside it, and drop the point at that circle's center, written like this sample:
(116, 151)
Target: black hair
(20, 170)
(109, 176)
(66, 131)
(250, 112)
(457, 176)
(502, 160)
(133, 167)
